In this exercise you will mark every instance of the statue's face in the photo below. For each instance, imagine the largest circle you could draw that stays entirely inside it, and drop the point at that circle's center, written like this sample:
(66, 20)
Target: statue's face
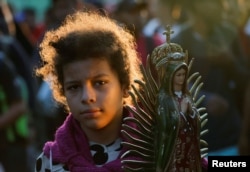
(179, 79)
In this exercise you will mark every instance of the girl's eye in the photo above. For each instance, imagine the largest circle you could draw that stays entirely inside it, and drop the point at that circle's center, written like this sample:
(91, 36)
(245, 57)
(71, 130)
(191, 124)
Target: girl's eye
(101, 82)
(72, 87)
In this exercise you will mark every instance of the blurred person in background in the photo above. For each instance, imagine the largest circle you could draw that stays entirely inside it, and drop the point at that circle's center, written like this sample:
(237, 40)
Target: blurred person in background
(245, 133)
(238, 13)
(135, 15)
(213, 42)
(244, 144)
(27, 24)
(15, 97)
(14, 130)
(15, 51)
(59, 9)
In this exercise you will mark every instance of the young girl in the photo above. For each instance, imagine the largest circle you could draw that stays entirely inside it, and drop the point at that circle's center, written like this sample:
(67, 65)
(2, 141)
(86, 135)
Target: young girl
(90, 63)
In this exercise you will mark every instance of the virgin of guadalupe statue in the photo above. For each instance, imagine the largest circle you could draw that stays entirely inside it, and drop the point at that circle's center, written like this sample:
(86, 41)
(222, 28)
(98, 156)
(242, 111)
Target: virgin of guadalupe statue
(167, 114)
(180, 104)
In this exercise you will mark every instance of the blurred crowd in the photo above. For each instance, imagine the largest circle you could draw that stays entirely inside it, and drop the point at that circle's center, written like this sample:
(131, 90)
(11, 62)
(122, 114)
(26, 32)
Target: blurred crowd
(214, 32)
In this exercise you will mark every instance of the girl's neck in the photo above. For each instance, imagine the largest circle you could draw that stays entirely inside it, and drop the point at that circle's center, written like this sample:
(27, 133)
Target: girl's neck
(102, 137)
(105, 135)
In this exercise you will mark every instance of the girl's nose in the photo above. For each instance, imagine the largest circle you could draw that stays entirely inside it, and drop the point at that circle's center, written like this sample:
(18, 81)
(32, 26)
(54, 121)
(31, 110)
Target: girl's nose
(88, 94)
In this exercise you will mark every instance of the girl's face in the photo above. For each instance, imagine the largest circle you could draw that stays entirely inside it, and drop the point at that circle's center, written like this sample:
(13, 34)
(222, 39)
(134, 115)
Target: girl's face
(94, 94)
(179, 78)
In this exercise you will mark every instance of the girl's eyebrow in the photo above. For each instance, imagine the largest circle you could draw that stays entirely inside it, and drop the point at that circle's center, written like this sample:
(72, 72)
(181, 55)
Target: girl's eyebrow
(91, 77)
(100, 75)
(70, 82)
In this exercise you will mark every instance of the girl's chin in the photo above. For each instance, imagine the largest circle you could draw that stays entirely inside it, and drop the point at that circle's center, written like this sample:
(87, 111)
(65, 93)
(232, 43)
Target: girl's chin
(92, 125)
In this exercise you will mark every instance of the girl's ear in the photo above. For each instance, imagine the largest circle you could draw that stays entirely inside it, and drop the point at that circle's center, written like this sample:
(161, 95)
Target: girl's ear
(125, 93)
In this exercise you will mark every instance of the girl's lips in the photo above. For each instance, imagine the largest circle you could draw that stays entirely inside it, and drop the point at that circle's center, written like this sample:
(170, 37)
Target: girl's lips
(90, 113)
